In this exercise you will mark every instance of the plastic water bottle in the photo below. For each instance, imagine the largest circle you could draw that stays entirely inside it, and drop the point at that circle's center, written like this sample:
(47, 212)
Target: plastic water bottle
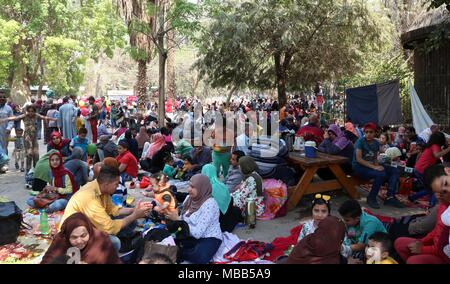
(251, 213)
(43, 222)
(302, 145)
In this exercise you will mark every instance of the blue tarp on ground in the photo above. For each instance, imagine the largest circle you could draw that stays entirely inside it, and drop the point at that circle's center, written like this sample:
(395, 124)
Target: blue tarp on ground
(379, 103)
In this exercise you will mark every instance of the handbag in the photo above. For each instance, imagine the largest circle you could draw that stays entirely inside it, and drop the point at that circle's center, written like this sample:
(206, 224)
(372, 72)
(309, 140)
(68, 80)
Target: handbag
(43, 199)
(152, 248)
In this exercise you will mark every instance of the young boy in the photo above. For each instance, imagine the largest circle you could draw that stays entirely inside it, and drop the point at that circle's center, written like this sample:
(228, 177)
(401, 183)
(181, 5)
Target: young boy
(235, 176)
(80, 141)
(79, 123)
(19, 149)
(188, 170)
(377, 251)
(169, 170)
(366, 166)
(163, 195)
(360, 225)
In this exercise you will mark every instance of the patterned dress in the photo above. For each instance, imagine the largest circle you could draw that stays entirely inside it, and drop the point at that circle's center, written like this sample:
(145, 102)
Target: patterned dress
(30, 141)
(247, 189)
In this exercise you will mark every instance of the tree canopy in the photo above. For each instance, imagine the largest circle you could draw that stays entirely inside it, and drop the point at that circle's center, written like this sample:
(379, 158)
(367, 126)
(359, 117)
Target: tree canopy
(46, 42)
(288, 44)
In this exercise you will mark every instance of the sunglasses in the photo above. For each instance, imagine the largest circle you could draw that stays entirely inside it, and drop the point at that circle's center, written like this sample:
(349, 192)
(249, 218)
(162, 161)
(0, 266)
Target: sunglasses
(324, 197)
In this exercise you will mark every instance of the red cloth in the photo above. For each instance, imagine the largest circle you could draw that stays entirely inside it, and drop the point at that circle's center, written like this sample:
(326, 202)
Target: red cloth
(311, 133)
(427, 158)
(132, 165)
(94, 130)
(436, 240)
(281, 244)
(383, 219)
(59, 173)
(401, 247)
(169, 105)
(120, 131)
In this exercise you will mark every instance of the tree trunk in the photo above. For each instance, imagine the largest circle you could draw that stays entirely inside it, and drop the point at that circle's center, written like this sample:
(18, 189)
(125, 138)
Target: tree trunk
(98, 80)
(42, 79)
(227, 103)
(97, 86)
(281, 80)
(171, 64)
(162, 68)
(20, 87)
(195, 81)
(141, 85)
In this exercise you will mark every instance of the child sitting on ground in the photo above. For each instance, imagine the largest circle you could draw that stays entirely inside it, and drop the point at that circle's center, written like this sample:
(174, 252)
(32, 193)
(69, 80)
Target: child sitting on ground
(320, 210)
(188, 170)
(162, 194)
(378, 249)
(157, 258)
(360, 226)
(19, 150)
(80, 141)
(169, 170)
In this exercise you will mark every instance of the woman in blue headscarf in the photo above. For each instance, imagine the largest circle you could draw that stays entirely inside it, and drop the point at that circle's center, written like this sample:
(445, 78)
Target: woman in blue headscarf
(230, 216)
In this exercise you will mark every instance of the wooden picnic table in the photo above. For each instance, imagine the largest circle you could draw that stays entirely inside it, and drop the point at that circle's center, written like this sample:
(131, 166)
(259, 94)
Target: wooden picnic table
(310, 167)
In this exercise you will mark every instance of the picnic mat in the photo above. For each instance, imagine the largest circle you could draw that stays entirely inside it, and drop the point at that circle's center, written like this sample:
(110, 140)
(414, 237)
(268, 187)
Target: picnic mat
(31, 245)
(422, 203)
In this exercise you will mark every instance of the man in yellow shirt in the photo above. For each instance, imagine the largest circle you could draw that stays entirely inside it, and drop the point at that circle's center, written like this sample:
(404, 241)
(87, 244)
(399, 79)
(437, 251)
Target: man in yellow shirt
(94, 201)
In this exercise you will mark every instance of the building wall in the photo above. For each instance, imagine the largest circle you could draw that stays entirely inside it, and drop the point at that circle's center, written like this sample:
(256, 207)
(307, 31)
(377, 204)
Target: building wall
(432, 82)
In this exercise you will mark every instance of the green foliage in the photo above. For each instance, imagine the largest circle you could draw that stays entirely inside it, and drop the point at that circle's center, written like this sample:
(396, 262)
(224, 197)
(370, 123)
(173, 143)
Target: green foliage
(51, 39)
(384, 63)
(98, 28)
(183, 17)
(9, 35)
(312, 40)
(64, 64)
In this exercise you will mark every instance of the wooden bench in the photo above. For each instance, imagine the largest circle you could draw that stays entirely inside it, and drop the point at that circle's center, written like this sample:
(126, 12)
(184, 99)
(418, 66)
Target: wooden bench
(310, 167)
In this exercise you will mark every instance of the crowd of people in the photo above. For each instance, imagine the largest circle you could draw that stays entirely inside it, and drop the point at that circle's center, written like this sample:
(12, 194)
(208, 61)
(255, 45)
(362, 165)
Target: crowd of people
(95, 156)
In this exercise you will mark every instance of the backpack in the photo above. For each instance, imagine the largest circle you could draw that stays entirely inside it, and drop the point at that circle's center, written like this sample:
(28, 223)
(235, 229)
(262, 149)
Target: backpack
(248, 251)
(10, 222)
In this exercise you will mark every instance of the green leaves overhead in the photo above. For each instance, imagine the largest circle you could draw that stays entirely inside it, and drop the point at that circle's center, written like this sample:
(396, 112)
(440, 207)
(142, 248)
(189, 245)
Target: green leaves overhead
(64, 64)
(264, 42)
(52, 39)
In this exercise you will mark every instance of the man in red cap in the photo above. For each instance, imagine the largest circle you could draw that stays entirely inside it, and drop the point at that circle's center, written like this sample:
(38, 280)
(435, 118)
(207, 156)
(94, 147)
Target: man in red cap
(365, 165)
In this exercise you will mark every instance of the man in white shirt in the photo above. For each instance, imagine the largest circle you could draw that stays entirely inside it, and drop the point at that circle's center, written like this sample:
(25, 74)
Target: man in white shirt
(243, 140)
(425, 135)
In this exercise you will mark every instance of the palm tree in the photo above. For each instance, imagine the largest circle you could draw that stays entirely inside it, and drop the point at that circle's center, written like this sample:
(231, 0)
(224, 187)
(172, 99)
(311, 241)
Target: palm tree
(138, 19)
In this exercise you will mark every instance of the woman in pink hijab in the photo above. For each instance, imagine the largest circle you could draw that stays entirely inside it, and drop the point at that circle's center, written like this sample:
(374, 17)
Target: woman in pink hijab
(158, 142)
(153, 159)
